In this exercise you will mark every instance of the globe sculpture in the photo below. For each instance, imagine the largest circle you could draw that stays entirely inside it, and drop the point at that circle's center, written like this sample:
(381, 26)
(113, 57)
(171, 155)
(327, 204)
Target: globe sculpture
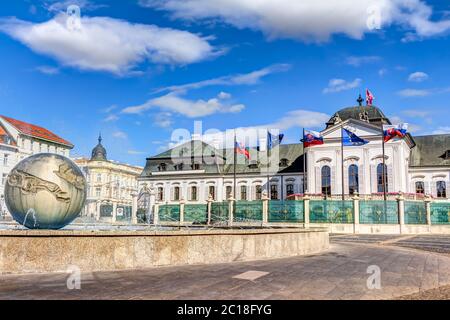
(45, 191)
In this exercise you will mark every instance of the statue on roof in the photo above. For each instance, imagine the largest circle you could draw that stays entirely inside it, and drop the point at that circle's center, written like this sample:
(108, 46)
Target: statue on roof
(336, 119)
(364, 116)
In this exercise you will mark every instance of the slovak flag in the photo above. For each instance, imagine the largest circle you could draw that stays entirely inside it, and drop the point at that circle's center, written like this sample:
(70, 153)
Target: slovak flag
(392, 131)
(369, 97)
(312, 138)
(239, 148)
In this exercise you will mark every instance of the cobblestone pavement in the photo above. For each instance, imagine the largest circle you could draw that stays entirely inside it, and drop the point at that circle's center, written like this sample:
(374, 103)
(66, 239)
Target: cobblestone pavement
(442, 293)
(339, 273)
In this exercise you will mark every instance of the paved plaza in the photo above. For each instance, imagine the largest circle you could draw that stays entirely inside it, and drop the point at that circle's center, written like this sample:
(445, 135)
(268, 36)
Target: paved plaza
(412, 267)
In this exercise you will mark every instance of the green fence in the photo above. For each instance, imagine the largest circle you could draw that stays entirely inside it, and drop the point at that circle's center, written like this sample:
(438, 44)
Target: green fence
(106, 210)
(330, 211)
(286, 211)
(123, 213)
(440, 213)
(248, 211)
(415, 212)
(378, 212)
(196, 213)
(169, 212)
(219, 212)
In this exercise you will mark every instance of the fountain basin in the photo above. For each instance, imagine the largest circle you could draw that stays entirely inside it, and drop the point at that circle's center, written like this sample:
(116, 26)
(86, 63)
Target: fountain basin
(41, 251)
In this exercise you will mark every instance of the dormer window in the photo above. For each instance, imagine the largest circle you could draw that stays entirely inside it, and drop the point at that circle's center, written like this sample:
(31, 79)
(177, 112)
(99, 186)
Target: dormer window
(195, 166)
(446, 155)
(162, 167)
(179, 167)
(253, 165)
(284, 162)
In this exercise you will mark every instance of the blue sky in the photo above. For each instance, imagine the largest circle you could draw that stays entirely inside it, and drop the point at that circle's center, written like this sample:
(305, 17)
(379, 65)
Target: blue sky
(137, 70)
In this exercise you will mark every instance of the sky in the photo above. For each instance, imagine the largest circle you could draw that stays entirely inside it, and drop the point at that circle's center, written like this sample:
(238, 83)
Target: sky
(145, 72)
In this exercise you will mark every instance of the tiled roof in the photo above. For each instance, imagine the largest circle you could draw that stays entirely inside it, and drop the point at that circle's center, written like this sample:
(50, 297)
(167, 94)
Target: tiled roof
(429, 151)
(5, 138)
(36, 131)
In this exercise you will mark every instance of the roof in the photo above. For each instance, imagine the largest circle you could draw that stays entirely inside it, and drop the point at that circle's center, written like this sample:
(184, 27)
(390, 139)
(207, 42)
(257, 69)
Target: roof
(375, 115)
(190, 149)
(5, 137)
(36, 131)
(99, 152)
(429, 151)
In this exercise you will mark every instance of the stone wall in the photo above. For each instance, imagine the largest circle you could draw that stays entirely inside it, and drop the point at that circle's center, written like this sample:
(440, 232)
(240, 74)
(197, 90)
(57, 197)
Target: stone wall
(55, 251)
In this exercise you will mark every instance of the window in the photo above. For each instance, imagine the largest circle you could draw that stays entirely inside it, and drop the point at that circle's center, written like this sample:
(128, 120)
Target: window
(99, 177)
(441, 189)
(420, 187)
(212, 192)
(446, 155)
(284, 162)
(258, 192)
(353, 179)
(176, 193)
(289, 189)
(243, 192)
(5, 159)
(380, 181)
(98, 192)
(194, 193)
(229, 191)
(4, 179)
(274, 192)
(196, 166)
(179, 167)
(326, 181)
(160, 194)
(162, 167)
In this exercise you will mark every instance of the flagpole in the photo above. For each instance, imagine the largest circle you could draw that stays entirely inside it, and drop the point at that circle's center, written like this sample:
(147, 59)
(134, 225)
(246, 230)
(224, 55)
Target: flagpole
(342, 161)
(234, 170)
(384, 163)
(268, 164)
(304, 164)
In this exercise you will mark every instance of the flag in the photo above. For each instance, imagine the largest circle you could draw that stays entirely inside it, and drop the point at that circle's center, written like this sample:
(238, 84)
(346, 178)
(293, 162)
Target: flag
(392, 131)
(351, 139)
(239, 148)
(273, 140)
(369, 97)
(312, 138)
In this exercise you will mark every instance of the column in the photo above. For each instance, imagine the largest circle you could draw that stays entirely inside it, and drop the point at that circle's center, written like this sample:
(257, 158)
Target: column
(114, 213)
(156, 214)
(231, 201)
(265, 204)
(356, 213)
(97, 212)
(182, 203)
(152, 207)
(427, 201)
(208, 206)
(401, 212)
(306, 200)
(134, 207)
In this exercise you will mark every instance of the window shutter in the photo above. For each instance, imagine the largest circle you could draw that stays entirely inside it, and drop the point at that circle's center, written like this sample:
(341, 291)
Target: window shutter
(390, 177)
(373, 177)
(361, 180)
(318, 181)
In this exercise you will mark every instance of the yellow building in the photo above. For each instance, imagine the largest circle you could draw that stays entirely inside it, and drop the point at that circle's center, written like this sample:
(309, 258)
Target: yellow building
(112, 186)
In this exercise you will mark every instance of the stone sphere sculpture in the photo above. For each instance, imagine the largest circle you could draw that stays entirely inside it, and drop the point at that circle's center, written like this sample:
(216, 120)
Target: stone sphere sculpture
(45, 191)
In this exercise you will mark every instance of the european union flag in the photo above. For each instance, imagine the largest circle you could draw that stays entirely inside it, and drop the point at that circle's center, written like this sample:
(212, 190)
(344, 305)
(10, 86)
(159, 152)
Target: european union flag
(273, 140)
(350, 139)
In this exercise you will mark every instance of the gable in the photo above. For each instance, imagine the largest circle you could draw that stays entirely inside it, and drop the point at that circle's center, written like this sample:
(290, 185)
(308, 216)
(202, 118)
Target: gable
(360, 128)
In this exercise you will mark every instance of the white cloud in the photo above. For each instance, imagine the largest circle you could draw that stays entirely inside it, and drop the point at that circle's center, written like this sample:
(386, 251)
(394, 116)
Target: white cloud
(173, 102)
(107, 44)
(224, 95)
(111, 118)
(357, 61)
(382, 72)
(418, 76)
(250, 78)
(61, 6)
(442, 130)
(51, 71)
(338, 85)
(119, 135)
(310, 20)
(408, 93)
(163, 119)
(134, 152)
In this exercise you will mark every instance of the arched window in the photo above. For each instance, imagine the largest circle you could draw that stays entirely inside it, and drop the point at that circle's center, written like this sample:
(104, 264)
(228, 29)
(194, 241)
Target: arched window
(274, 192)
(194, 193)
(229, 191)
(441, 189)
(243, 192)
(420, 187)
(162, 167)
(326, 181)
(212, 192)
(258, 192)
(176, 193)
(380, 180)
(353, 179)
(289, 189)
(160, 194)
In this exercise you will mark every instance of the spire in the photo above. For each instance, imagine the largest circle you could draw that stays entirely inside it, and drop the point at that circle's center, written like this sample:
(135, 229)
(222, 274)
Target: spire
(100, 138)
(360, 100)
(99, 152)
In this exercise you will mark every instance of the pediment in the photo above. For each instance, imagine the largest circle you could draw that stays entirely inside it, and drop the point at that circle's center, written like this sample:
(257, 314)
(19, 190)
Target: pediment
(360, 128)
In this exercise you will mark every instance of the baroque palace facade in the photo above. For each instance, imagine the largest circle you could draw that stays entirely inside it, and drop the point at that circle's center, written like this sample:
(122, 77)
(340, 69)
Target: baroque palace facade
(19, 140)
(111, 186)
(195, 171)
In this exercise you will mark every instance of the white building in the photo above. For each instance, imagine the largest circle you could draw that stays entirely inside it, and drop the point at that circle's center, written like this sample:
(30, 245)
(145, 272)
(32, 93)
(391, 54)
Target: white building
(19, 140)
(110, 186)
(414, 165)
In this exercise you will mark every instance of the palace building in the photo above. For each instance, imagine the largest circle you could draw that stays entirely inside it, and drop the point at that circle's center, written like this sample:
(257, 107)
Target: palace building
(415, 165)
(19, 140)
(110, 186)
